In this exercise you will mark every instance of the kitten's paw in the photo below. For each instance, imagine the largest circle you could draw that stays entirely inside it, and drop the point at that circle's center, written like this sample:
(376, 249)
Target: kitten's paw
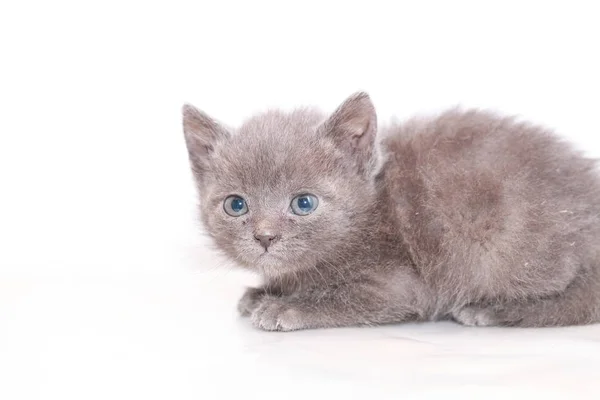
(276, 314)
(250, 301)
(476, 316)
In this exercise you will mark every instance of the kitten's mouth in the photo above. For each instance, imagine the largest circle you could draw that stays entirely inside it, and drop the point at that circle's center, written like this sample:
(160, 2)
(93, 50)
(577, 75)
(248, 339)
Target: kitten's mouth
(267, 255)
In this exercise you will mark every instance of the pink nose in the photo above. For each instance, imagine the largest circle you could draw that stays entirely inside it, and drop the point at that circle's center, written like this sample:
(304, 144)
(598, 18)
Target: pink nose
(266, 240)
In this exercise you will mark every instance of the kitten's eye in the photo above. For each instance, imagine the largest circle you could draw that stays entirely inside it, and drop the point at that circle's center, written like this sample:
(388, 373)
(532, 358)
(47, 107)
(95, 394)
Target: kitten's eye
(235, 206)
(304, 204)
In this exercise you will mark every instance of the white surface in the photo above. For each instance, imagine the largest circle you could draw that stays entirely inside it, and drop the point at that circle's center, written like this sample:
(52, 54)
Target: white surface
(107, 289)
(175, 336)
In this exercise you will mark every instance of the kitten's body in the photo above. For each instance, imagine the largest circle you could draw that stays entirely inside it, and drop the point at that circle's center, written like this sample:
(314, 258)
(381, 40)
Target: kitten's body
(466, 215)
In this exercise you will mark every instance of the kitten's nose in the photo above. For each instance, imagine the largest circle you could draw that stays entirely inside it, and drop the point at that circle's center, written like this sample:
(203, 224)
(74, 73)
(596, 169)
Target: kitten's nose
(266, 239)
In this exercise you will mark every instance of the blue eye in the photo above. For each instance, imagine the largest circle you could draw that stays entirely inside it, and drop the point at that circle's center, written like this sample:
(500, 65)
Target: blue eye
(304, 204)
(235, 206)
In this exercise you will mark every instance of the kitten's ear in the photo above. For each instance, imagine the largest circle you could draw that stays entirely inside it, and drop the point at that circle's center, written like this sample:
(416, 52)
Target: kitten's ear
(202, 133)
(353, 127)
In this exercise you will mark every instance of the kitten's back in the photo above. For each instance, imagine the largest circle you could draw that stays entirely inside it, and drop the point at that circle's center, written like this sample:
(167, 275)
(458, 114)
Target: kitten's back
(492, 207)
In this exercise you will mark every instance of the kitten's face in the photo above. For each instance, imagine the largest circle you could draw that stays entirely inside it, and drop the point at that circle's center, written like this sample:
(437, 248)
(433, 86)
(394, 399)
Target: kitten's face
(285, 191)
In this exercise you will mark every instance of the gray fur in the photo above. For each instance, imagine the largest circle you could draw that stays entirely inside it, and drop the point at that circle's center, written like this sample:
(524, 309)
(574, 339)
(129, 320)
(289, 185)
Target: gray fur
(467, 215)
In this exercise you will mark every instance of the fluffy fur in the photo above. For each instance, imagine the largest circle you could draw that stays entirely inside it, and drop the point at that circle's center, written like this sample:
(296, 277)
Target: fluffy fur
(467, 215)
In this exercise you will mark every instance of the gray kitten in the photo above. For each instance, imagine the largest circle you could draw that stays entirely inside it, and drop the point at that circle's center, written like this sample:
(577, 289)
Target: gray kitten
(467, 215)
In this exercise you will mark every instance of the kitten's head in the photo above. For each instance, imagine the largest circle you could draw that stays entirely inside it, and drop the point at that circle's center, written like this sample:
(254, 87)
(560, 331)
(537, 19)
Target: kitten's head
(286, 191)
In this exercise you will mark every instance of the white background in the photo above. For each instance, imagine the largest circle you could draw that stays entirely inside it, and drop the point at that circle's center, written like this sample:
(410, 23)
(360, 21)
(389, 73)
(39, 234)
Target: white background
(108, 290)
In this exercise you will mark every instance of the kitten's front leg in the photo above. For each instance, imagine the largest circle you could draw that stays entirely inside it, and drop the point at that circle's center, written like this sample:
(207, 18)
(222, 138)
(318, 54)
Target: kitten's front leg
(250, 300)
(350, 304)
